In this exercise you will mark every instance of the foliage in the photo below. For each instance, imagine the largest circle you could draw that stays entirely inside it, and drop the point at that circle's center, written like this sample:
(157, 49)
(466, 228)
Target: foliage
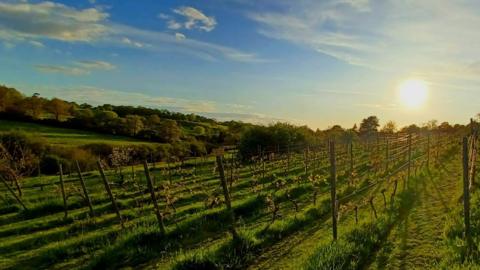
(369, 126)
(278, 136)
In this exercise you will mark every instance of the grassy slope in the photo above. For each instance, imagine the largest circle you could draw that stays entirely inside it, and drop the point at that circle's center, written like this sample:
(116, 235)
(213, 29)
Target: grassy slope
(66, 137)
(32, 241)
(417, 242)
(42, 239)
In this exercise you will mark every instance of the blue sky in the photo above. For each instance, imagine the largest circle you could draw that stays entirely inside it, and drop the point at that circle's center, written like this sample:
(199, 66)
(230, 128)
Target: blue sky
(307, 62)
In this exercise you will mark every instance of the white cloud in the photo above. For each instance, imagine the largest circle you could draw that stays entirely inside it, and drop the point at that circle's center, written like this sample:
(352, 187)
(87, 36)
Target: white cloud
(98, 96)
(254, 118)
(78, 68)
(163, 16)
(192, 18)
(95, 64)
(433, 38)
(37, 44)
(65, 70)
(161, 42)
(180, 36)
(130, 42)
(174, 25)
(34, 22)
(50, 20)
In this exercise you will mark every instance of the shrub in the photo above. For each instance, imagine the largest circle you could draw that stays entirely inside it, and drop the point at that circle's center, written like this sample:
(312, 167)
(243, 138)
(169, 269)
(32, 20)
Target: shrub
(101, 150)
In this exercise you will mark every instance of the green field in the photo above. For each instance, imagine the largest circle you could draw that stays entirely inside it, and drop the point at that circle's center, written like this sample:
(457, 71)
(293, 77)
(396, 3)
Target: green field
(66, 137)
(409, 217)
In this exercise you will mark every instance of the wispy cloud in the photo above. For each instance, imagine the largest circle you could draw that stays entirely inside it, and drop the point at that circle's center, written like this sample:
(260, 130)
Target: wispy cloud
(185, 17)
(77, 68)
(98, 96)
(51, 20)
(255, 118)
(132, 43)
(196, 19)
(95, 64)
(180, 36)
(426, 37)
(65, 70)
(34, 22)
(380, 106)
(161, 42)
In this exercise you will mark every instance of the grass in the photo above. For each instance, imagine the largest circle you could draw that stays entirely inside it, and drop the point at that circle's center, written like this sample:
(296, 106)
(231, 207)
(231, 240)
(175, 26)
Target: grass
(355, 248)
(66, 137)
(458, 256)
(197, 237)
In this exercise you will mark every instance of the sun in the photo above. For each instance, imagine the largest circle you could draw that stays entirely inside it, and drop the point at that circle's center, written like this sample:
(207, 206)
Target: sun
(413, 93)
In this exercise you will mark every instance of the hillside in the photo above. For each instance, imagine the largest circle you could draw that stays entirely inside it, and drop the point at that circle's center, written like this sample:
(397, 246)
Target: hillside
(66, 137)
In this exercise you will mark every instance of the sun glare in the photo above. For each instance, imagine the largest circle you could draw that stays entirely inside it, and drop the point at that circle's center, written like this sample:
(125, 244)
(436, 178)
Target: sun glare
(413, 93)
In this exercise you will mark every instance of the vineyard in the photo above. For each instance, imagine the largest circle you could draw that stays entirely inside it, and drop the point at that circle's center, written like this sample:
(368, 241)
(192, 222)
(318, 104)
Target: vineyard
(373, 203)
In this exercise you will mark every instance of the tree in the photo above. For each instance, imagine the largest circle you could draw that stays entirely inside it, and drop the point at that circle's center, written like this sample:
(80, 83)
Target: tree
(83, 114)
(445, 127)
(33, 106)
(355, 128)
(19, 156)
(9, 98)
(153, 120)
(389, 127)
(103, 118)
(58, 108)
(335, 132)
(134, 124)
(170, 130)
(411, 129)
(199, 131)
(431, 125)
(369, 125)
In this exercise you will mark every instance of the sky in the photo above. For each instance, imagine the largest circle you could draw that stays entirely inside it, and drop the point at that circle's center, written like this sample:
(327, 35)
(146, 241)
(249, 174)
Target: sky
(318, 63)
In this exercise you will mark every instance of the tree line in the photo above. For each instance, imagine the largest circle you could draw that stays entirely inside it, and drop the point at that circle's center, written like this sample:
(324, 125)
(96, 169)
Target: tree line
(156, 125)
(180, 135)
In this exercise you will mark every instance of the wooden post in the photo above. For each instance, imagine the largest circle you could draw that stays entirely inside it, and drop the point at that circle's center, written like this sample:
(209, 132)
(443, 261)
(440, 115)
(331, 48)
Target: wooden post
(84, 188)
(62, 186)
(387, 160)
(305, 159)
(333, 191)
(356, 214)
(392, 197)
(231, 171)
(288, 159)
(473, 160)
(169, 171)
(133, 173)
(17, 185)
(110, 194)
(263, 165)
(409, 157)
(351, 157)
(226, 195)
(384, 198)
(153, 197)
(428, 151)
(466, 195)
(373, 207)
(194, 166)
(13, 193)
